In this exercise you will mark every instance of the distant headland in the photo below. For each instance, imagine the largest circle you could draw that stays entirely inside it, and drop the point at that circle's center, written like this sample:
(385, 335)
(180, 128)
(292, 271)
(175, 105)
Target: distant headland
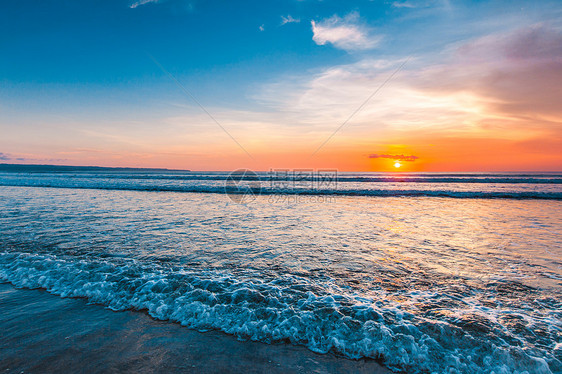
(36, 168)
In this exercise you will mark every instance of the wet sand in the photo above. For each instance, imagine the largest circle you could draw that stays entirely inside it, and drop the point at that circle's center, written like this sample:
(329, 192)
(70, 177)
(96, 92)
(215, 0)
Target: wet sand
(40, 332)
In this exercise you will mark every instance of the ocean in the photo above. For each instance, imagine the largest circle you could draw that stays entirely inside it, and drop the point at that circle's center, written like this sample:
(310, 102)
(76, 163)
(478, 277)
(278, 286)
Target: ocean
(422, 272)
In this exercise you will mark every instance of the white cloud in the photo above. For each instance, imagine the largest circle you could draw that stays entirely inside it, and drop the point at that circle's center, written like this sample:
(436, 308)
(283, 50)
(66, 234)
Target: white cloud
(344, 33)
(403, 4)
(411, 4)
(289, 19)
(489, 87)
(185, 5)
(326, 98)
(142, 2)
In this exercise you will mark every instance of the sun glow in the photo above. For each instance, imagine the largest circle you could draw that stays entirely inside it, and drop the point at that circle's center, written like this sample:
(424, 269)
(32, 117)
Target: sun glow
(397, 164)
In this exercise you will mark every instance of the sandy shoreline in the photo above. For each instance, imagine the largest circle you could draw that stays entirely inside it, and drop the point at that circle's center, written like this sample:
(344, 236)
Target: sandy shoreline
(45, 333)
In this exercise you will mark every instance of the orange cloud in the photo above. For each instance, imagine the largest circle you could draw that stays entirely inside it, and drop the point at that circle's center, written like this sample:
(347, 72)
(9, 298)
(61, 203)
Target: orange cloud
(395, 157)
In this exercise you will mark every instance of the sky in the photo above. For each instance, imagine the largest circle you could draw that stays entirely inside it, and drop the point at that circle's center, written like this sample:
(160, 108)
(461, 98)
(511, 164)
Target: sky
(429, 85)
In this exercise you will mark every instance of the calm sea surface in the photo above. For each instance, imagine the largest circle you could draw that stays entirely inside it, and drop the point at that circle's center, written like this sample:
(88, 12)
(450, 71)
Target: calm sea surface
(424, 272)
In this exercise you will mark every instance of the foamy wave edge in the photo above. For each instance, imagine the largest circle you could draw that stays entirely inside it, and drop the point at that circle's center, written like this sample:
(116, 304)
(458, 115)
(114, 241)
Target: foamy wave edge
(286, 310)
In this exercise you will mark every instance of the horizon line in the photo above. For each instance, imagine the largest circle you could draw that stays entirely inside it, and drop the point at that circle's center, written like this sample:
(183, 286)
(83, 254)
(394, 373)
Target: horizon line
(135, 168)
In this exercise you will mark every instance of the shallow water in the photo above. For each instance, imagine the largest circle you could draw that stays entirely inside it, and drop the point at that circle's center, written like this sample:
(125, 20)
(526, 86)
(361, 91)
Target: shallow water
(424, 284)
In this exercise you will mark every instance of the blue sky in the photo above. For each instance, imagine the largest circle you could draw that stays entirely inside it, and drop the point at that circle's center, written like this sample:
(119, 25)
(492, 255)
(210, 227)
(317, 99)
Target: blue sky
(78, 84)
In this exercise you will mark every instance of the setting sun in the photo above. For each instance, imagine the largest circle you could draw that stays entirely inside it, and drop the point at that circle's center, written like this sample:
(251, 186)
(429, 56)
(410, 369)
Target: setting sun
(397, 164)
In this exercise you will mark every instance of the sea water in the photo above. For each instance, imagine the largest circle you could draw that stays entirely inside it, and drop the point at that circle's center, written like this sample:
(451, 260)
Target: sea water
(423, 272)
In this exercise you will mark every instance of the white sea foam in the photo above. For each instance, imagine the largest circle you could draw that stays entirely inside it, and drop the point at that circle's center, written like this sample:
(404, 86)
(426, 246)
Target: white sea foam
(286, 309)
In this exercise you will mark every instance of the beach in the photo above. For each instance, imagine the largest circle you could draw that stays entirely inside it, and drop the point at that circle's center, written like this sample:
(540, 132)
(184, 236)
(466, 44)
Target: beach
(42, 333)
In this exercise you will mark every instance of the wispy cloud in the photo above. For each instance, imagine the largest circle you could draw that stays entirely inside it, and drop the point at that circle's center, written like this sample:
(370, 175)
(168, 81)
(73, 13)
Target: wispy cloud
(289, 19)
(502, 87)
(421, 4)
(396, 157)
(142, 2)
(344, 33)
(517, 73)
(404, 4)
(9, 157)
